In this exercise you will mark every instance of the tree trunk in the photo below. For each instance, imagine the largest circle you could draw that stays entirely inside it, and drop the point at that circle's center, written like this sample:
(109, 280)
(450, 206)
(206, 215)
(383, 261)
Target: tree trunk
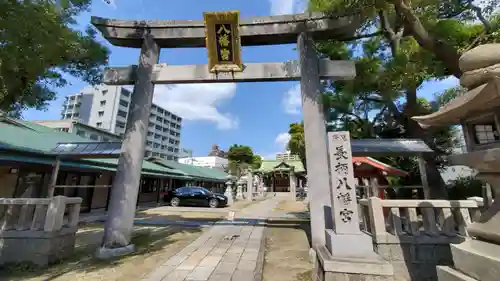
(444, 52)
(436, 183)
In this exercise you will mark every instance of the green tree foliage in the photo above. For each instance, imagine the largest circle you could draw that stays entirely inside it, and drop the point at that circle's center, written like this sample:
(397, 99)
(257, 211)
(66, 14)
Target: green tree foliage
(240, 154)
(440, 27)
(256, 162)
(399, 45)
(240, 158)
(464, 187)
(38, 47)
(297, 144)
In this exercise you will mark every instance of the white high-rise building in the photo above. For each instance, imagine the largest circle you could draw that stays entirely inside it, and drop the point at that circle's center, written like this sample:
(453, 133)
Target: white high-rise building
(107, 107)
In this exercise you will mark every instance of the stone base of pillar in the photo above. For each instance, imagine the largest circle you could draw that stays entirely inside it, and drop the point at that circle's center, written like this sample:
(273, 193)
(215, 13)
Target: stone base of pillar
(352, 245)
(36, 247)
(239, 193)
(107, 253)
(370, 268)
(473, 260)
(313, 257)
(229, 195)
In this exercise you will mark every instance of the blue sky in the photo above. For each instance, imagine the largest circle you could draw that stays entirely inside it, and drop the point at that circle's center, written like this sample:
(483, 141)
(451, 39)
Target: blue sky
(254, 114)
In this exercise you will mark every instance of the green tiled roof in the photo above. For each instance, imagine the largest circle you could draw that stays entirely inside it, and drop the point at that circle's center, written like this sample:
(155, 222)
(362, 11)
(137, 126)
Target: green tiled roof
(51, 161)
(277, 165)
(215, 173)
(196, 172)
(25, 135)
(146, 166)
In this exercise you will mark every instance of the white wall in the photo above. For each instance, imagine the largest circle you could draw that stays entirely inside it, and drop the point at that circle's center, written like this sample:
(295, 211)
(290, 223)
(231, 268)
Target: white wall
(453, 172)
(206, 161)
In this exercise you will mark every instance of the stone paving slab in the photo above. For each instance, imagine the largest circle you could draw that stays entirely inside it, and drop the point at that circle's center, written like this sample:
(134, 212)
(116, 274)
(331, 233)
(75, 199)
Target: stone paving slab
(222, 253)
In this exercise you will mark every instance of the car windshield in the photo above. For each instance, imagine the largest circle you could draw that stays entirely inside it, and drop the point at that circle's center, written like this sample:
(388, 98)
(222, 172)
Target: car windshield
(206, 191)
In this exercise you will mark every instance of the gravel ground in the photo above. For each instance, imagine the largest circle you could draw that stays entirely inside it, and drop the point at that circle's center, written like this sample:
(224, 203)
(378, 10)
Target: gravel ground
(287, 246)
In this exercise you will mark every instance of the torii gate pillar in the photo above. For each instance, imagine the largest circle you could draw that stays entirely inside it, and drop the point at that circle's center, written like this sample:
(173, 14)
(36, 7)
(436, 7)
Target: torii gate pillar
(124, 191)
(314, 133)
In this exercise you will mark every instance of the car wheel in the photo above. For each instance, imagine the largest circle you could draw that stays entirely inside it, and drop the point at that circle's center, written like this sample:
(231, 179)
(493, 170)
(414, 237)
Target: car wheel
(175, 202)
(213, 203)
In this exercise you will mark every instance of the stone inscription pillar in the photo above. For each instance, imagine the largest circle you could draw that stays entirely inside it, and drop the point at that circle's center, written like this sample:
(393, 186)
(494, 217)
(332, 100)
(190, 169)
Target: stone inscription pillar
(315, 139)
(346, 238)
(293, 185)
(344, 203)
(249, 186)
(122, 205)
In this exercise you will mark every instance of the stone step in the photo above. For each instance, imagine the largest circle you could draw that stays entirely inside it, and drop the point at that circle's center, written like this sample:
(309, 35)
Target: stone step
(446, 273)
(477, 259)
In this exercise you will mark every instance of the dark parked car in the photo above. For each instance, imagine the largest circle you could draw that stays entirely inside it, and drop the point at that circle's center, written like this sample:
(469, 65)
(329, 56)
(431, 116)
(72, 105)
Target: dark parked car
(194, 196)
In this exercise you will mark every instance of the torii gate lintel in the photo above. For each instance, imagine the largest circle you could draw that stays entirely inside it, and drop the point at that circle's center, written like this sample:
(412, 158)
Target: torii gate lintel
(253, 72)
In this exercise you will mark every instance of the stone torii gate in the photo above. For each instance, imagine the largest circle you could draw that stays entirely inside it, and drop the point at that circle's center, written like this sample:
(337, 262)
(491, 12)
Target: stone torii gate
(151, 36)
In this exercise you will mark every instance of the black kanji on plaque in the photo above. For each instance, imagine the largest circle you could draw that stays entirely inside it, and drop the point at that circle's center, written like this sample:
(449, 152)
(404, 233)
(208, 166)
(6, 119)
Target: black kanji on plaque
(339, 137)
(344, 198)
(224, 42)
(346, 215)
(343, 183)
(340, 153)
(342, 168)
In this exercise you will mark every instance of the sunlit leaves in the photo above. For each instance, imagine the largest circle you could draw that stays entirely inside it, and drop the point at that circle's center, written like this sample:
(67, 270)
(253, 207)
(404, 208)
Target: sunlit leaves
(37, 46)
(448, 95)
(297, 144)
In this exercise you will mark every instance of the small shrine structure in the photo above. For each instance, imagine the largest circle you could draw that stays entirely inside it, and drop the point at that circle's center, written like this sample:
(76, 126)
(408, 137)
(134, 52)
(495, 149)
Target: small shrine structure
(368, 169)
(277, 173)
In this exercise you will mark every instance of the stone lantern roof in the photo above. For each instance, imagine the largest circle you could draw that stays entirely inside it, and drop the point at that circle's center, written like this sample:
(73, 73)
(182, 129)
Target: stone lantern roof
(481, 67)
(482, 98)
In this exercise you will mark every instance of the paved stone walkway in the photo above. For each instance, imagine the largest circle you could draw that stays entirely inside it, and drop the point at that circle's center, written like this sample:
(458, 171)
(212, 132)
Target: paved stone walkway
(222, 253)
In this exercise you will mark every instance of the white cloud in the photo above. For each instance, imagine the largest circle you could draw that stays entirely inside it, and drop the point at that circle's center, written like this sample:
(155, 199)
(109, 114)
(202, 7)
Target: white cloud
(281, 143)
(282, 140)
(269, 156)
(284, 7)
(292, 100)
(198, 102)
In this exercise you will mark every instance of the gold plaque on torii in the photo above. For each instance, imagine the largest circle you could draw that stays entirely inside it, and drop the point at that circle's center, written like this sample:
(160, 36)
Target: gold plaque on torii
(223, 41)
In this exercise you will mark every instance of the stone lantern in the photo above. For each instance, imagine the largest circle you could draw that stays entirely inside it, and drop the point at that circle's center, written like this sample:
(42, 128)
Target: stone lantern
(478, 112)
(229, 192)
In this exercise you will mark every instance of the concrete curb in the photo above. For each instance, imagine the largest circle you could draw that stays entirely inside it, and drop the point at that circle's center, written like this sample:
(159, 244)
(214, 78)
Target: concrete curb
(259, 269)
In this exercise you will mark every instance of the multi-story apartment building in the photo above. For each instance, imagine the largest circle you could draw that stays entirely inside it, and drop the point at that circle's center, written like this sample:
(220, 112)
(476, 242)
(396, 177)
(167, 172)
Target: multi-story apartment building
(286, 156)
(216, 151)
(107, 107)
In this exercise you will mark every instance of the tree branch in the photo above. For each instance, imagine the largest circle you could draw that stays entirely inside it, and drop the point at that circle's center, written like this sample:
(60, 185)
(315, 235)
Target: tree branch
(392, 36)
(362, 36)
(359, 119)
(381, 112)
(480, 16)
(391, 106)
(444, 52)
